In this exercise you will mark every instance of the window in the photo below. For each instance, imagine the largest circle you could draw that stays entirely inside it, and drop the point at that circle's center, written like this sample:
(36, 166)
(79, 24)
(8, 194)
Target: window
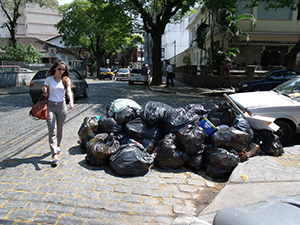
(273, 14)
(241, 10)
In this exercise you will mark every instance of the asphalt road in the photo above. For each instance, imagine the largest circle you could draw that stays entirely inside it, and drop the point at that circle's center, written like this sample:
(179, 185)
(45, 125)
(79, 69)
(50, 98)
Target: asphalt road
(31, 191)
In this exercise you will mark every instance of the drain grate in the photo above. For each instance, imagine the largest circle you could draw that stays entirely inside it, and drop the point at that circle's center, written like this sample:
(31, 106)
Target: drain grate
(289, 160)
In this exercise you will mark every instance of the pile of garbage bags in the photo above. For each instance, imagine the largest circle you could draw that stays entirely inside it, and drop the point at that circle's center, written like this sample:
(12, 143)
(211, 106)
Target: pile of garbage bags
(131, 138)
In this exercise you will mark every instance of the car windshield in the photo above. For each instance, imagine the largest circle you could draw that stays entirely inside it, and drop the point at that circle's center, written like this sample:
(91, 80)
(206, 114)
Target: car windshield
(107, 70)
(290, 88)
(264, 75)
(123, 71)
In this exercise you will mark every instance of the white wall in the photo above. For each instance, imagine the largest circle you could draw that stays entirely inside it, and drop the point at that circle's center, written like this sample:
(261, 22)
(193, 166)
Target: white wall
(177, 33)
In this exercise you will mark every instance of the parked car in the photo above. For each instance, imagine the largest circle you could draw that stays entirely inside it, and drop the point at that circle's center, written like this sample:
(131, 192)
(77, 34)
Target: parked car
(106, 73)
(122, 74)
(267, 81)
(281, 103)
(37, 82)
(135, 76)
(26, 70)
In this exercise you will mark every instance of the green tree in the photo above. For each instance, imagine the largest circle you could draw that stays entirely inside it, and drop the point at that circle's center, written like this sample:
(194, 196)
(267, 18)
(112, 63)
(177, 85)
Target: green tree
(96, 26)
(224, 21)
(13, 11)
(155, 15)
(187, 60)
(20, 53)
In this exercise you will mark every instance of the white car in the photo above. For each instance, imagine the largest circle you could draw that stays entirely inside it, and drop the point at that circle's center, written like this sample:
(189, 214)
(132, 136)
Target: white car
(135, 76)
(122, 74)
(281, 103)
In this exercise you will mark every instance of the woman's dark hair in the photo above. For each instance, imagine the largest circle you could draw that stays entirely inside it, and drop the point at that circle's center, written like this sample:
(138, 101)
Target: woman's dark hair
(65, 76)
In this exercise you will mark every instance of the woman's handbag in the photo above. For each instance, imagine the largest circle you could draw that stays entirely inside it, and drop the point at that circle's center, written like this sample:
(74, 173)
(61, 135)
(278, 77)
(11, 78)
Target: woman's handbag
(39, 110)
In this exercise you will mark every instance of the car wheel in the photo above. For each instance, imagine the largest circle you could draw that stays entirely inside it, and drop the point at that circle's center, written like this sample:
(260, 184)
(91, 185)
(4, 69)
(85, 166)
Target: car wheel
(285, 132)
(87, 91)
(258, 88)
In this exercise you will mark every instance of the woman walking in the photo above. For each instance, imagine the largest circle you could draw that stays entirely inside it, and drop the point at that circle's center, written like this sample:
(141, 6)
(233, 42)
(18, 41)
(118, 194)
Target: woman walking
(56, 84)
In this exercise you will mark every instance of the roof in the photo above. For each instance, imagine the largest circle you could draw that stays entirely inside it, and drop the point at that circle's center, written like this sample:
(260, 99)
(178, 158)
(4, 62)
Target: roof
(40, 45)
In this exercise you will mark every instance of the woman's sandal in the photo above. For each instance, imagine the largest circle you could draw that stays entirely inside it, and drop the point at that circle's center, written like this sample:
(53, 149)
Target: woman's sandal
(54, 161)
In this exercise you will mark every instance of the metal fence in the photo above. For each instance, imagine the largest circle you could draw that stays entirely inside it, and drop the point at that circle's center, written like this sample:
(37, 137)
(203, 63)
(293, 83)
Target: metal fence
(28, 66)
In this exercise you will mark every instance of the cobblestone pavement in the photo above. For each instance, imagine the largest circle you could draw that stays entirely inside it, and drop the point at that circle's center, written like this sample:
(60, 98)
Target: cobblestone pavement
(33, 192)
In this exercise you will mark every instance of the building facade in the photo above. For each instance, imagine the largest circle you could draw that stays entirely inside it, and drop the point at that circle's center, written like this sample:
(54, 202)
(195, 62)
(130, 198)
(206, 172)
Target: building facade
(275, 33)
(34, 22)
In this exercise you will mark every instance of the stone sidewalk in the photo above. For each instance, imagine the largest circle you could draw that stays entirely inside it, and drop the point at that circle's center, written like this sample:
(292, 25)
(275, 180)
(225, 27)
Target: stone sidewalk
(31, 192)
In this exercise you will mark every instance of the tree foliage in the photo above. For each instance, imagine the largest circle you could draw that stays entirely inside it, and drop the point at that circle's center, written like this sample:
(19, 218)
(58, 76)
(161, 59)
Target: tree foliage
(13, 11)
(224, 22)
(20, 53)
(96, 26)
(155, 15)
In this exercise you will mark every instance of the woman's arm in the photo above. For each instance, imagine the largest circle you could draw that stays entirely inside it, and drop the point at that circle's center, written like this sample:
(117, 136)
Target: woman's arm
(70, 96)
(45, 90)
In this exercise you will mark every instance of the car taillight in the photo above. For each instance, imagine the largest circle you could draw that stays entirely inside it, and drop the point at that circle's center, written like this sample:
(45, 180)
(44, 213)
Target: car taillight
(31, 83)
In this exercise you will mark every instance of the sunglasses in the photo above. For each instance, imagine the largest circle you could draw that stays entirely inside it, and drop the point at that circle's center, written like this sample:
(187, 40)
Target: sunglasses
(61, 69)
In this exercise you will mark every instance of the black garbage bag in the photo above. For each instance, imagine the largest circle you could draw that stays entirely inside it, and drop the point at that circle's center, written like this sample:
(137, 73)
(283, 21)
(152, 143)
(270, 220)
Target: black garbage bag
(119, 105)
(168, 155)
(131, 160)
(153, 113)
(268, 141)
(100, 148)
(229, 137)
(197, 109)
(122, 138)
(138, 129)
(195, 162)
(242, 124)
(109, 125)
(125, 115)
(88, 129)
(222, 113)
(178, 118)
(190, 138)
(224, 158)
(149, 144)
(219, 162)
(217, 172)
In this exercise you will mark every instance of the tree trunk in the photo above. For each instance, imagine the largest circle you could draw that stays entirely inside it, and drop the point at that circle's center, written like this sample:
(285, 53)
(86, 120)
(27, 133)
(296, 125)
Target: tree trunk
(12, 32)
(291, 56)
(156, 58)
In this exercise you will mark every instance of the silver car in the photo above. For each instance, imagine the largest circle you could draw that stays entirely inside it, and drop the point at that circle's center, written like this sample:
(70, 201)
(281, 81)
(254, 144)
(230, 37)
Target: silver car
(281, 103)
(135, 76)
(122, 74)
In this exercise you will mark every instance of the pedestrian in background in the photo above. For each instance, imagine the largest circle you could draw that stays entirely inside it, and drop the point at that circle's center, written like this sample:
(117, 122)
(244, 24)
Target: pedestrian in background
(144, 73)
(227, 75)
(170, 74)
(57, 83)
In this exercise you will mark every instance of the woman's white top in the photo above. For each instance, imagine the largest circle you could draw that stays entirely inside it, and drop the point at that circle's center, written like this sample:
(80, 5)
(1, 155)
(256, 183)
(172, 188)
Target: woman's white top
(56, 90)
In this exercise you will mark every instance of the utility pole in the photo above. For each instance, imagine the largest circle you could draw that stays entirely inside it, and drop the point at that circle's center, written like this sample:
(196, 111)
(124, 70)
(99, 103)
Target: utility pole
(174, 53)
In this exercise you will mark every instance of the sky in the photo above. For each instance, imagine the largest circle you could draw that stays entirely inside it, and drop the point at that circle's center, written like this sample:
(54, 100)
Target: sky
(61, 2)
